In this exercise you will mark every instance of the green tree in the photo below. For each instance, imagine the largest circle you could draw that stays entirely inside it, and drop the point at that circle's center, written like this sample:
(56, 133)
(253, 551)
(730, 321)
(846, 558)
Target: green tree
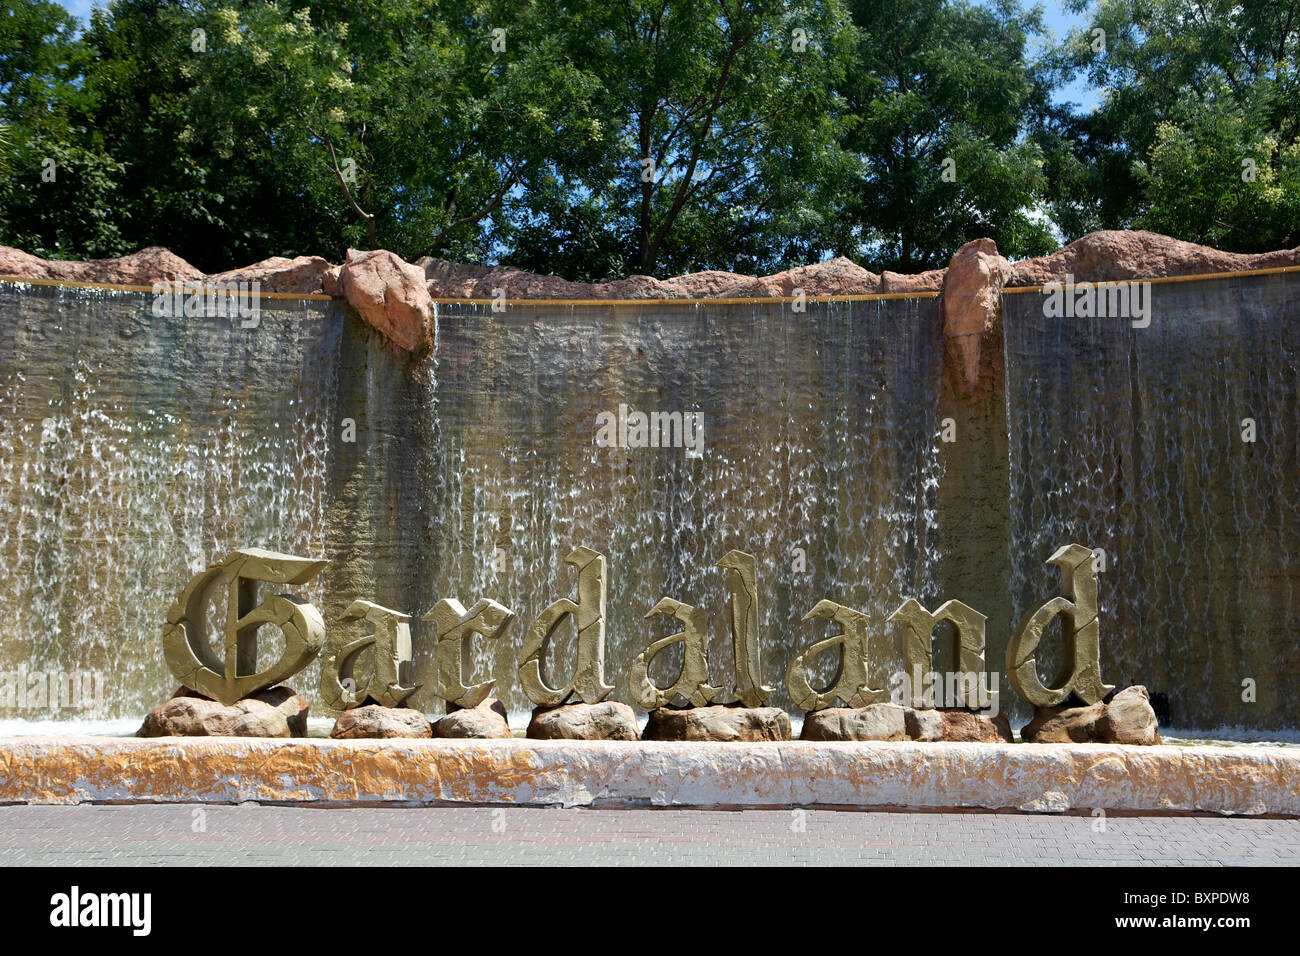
(58, 194)
(940, 95)
(1196, 133)
(416, 122)
(721, 122)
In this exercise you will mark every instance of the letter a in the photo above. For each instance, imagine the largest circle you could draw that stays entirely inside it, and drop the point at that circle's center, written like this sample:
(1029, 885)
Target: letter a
(850, 681)
(693, 682)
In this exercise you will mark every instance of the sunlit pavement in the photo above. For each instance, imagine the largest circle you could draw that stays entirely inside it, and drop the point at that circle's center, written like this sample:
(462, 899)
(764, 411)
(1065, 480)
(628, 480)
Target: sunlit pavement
(276, 835)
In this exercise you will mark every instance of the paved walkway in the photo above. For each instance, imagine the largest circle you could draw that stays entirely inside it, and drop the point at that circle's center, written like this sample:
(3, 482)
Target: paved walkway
(253, 835)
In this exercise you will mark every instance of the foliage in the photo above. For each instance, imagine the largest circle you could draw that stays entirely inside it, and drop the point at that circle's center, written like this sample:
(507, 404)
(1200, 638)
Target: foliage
(780, 132)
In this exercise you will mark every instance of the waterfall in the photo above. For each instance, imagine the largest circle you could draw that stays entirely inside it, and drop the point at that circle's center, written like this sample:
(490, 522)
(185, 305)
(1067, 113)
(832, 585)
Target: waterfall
(1130, 439)
(135, 449)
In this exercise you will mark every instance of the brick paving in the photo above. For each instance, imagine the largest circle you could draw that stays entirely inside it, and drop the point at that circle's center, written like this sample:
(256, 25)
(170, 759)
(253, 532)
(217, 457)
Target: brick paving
(390, 836)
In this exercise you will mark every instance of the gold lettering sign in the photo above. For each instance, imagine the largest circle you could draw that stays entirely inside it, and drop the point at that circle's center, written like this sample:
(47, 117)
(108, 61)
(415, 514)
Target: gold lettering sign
(850, 681)
(919, 624)
(742, 586)
(189, 652)
(693, 682)
(589, 614)
(1081, 674)
(392, 680)
(455, 625)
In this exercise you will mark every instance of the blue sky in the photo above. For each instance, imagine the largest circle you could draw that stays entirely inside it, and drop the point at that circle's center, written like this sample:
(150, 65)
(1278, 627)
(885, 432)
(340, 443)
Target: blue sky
(1058, 19)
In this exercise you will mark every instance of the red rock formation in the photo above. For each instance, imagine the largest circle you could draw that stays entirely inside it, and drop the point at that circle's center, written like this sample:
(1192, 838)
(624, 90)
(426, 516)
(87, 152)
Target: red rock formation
(1111, 254)
(390, 294)
(394, 296)
(154, 264)
(839, 276)
(972, 295)
(896, 283)
(303, 275)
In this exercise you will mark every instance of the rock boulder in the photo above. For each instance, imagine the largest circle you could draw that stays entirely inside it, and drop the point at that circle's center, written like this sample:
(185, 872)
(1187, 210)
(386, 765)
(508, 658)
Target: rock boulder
(718, 723)
(303, 275)
(274, 712)
(1126, 718)
(887, 721)
(374, 721)
(389, 294)
(607, 720)
(487, 721)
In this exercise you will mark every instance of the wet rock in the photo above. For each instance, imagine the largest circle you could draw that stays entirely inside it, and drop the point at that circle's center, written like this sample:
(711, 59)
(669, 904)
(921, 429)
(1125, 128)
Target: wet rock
(274, 712)
(303, 275)
(873, 722)
(1130, 719)
(143, 268)
(967, 727)
(1120, 254)
(972, 296)
(718, 723)
(607, 720)
(487, 721)
(389, 294)
(375, 721)
(1127, 718)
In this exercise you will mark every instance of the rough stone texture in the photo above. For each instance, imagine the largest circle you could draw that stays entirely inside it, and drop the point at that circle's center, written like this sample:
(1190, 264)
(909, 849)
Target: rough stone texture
(718, 724)
(149, 265)
(487, 721)
(402, 314)
(608, 720)
(303, 275)
(1049, 778)
(1059, 725)
(1118, 254)
(373, 721)
(1129, 719)
(923, 724)
(839, 276)
(873, 722)
(274, 712)
(1126, 719)
(894, 283)
(972, 295)
(389, 294)
(885, 721)
(964, 727)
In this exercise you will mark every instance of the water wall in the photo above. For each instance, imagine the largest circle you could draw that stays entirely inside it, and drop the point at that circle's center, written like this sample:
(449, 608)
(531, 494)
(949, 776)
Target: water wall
(1172, 447)
(134, 449)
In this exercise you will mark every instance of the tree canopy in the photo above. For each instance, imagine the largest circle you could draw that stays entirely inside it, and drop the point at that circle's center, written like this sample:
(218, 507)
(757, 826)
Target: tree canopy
(595, 140)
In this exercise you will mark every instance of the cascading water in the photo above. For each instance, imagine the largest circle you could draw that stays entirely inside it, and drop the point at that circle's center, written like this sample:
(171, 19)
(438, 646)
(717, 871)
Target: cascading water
(819, 458)
(135, 449)
(1130, 439)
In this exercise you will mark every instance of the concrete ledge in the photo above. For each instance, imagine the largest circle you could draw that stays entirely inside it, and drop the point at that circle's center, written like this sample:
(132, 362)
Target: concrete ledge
(1052, 778)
